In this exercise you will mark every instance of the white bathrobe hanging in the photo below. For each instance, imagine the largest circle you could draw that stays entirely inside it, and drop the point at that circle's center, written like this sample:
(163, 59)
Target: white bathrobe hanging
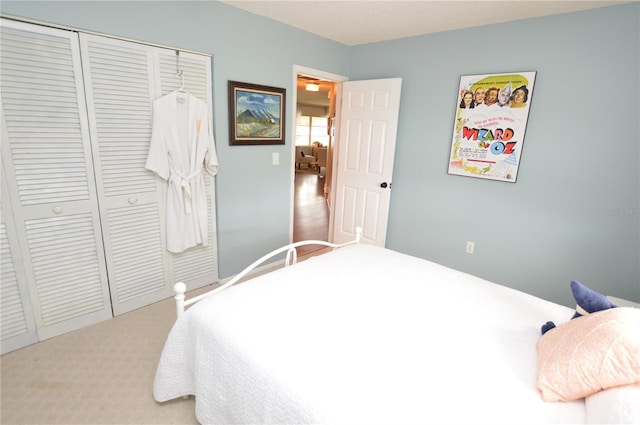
(181, 149)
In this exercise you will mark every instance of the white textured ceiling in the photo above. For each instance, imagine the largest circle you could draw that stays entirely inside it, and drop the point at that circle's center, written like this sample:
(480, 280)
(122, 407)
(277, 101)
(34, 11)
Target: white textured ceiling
(359, 22)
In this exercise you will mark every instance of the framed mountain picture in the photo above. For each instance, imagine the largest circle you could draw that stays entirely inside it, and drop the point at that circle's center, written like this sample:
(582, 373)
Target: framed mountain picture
(256, 114)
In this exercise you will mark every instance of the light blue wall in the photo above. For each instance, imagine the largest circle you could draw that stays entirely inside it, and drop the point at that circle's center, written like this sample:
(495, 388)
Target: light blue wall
(575, 209)
(574, 212)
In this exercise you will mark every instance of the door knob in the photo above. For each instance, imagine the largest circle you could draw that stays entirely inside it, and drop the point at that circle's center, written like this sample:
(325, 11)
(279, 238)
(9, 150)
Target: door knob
(383, 185)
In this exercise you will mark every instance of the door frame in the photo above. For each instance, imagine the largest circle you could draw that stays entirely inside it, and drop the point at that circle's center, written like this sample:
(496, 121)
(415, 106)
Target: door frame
(311, 72)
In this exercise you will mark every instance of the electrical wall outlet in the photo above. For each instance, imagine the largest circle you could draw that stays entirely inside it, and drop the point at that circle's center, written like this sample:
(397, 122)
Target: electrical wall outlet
(275, 158)
(470, 247)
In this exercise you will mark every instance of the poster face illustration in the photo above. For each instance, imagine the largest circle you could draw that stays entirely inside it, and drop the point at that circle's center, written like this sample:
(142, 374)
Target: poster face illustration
(490, 123)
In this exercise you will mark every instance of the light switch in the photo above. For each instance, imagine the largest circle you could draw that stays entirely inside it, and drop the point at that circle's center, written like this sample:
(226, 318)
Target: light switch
(276, 158)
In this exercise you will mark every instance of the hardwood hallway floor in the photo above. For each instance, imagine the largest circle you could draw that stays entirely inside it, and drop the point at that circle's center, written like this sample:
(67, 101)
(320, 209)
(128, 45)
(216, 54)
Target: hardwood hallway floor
(311, 213)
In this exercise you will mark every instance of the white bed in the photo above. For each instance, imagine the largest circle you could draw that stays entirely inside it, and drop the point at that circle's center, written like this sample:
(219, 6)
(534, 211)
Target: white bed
(363, 335)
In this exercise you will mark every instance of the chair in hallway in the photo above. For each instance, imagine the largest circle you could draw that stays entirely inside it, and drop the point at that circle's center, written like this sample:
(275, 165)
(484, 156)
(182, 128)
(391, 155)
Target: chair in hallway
(321, 157)
(304, 156)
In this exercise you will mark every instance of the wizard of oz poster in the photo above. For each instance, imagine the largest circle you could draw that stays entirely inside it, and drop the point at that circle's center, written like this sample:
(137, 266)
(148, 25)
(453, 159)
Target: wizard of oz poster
(490, 123)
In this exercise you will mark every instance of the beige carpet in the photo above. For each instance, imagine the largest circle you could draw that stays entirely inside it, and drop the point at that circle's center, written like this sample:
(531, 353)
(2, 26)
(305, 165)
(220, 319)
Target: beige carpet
(101, 374)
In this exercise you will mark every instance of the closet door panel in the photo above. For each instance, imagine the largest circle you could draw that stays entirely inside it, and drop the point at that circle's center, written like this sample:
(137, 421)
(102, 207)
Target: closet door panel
(66, 265)
(198, 266)
(18, 328)
(120, 85)
(47, 158)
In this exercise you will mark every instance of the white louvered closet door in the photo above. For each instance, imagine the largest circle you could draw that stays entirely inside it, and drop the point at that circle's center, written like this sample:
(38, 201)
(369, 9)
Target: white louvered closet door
(198, 266)
(122, 79)
(83, 232)
(119, 80)
(46, 155)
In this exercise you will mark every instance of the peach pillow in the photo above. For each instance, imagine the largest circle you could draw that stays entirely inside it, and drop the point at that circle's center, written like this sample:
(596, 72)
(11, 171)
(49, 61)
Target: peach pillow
(590, 353)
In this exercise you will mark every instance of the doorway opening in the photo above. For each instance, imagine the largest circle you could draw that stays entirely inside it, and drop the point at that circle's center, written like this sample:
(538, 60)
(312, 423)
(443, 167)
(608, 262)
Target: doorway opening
(360, 156)
(313, 147)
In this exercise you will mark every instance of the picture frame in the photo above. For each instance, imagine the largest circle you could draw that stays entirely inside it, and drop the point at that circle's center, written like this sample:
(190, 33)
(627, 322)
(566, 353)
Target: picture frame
(490, 122)
(256, 114)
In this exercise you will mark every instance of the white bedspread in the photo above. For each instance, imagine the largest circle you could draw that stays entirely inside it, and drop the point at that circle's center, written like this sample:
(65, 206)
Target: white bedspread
(363, 335)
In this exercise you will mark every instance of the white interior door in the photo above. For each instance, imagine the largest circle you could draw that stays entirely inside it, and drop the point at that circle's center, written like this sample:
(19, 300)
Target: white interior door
(366, 139)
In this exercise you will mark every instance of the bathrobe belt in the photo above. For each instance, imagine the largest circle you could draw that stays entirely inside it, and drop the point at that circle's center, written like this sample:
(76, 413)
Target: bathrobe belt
(185, 183)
